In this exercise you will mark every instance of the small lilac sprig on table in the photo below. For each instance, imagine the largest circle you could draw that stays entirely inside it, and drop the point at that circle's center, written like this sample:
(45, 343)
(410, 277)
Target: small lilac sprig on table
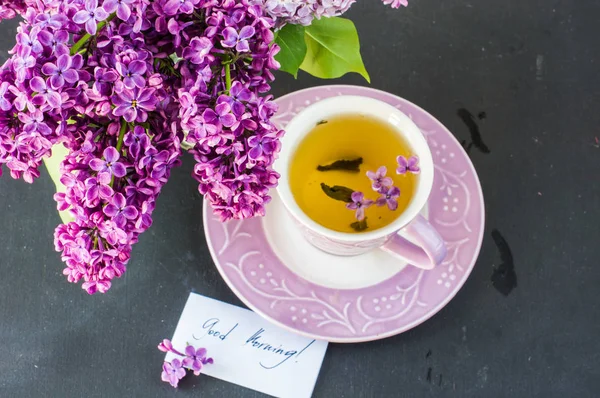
(193, 359)
(173, 372)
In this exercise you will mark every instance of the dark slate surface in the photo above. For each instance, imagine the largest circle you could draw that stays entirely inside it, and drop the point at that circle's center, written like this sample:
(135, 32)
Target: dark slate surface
(533, 67)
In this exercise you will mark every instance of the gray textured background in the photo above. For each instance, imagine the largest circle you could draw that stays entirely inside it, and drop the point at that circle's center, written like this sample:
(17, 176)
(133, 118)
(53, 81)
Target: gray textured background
(532, 66)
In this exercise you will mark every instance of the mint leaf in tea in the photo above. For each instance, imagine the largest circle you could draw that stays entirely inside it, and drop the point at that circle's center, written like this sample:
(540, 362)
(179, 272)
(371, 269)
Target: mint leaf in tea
(352, 166)
(338, 192)
(359, 226)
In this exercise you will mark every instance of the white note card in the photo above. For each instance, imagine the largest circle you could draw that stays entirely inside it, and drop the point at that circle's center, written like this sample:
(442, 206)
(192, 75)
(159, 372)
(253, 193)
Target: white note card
(248, 350)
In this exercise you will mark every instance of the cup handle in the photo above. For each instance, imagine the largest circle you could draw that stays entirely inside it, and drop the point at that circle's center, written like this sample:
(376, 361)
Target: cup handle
(428, 249)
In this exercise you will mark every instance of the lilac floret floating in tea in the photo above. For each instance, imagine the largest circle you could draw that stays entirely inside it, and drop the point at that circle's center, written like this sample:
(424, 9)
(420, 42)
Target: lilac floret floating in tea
(411, 164)
(359, 204)
(379, 180)
(388, 197)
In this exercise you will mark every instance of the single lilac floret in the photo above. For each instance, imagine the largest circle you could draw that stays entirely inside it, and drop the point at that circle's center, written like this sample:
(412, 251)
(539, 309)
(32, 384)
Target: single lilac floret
(411, 164)
(195, 359)
(389, 196)
(110, 163)
(173, 372)
(238, 40)
(378, 179)
(90, 16)
(359, 203)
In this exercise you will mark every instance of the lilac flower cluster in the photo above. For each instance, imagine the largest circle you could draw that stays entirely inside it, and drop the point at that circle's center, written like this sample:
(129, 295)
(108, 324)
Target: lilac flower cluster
(229, 123)
(302, 12)
(35, 87)
(194, 359)
(111, 189)
(120, 96)
(121, 84)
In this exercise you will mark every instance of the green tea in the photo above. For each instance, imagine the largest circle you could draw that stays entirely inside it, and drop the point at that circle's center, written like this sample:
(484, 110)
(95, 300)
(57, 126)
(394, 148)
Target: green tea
(328, 157)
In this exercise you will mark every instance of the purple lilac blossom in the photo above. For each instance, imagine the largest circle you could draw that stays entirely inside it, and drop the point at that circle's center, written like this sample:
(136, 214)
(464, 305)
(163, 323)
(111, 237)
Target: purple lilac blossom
(90, 16)
(411, 164)
(55, 41)
(120, 6)
(109, 164)
(134, 104)
(167, 346)
(198, 49)
(194, 359)
(173, 372)
(103, 81)
(231, 38)
(143, 76)
(64, 70)
(303, 12)
(359, 203)
(235, 184)
(112, 210)
(44, 95)
(378, 179)
(132, 74)
(123, 130)
(119, 211)
(396, 3)
(11, 8)
(389, 196)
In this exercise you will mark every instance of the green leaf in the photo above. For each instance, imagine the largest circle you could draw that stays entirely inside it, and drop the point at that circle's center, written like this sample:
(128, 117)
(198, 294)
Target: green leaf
(352, 166)
(293, 48)
(59, 152)
(338, 192)
(333, 49)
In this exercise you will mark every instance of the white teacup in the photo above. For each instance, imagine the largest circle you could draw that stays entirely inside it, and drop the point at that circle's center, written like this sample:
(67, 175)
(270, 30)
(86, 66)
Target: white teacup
(410, 237)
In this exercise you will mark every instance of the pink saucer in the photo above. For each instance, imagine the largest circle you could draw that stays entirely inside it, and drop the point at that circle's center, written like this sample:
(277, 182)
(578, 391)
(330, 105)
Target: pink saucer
(280, 276)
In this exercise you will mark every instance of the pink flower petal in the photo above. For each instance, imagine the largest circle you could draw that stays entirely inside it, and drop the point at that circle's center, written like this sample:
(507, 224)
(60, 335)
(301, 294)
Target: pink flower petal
(81, 17)
(91, 26)
(360, 213)
(111, 155)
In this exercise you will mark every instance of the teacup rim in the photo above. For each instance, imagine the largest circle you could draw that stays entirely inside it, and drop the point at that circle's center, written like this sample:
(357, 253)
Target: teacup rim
(305, 120)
